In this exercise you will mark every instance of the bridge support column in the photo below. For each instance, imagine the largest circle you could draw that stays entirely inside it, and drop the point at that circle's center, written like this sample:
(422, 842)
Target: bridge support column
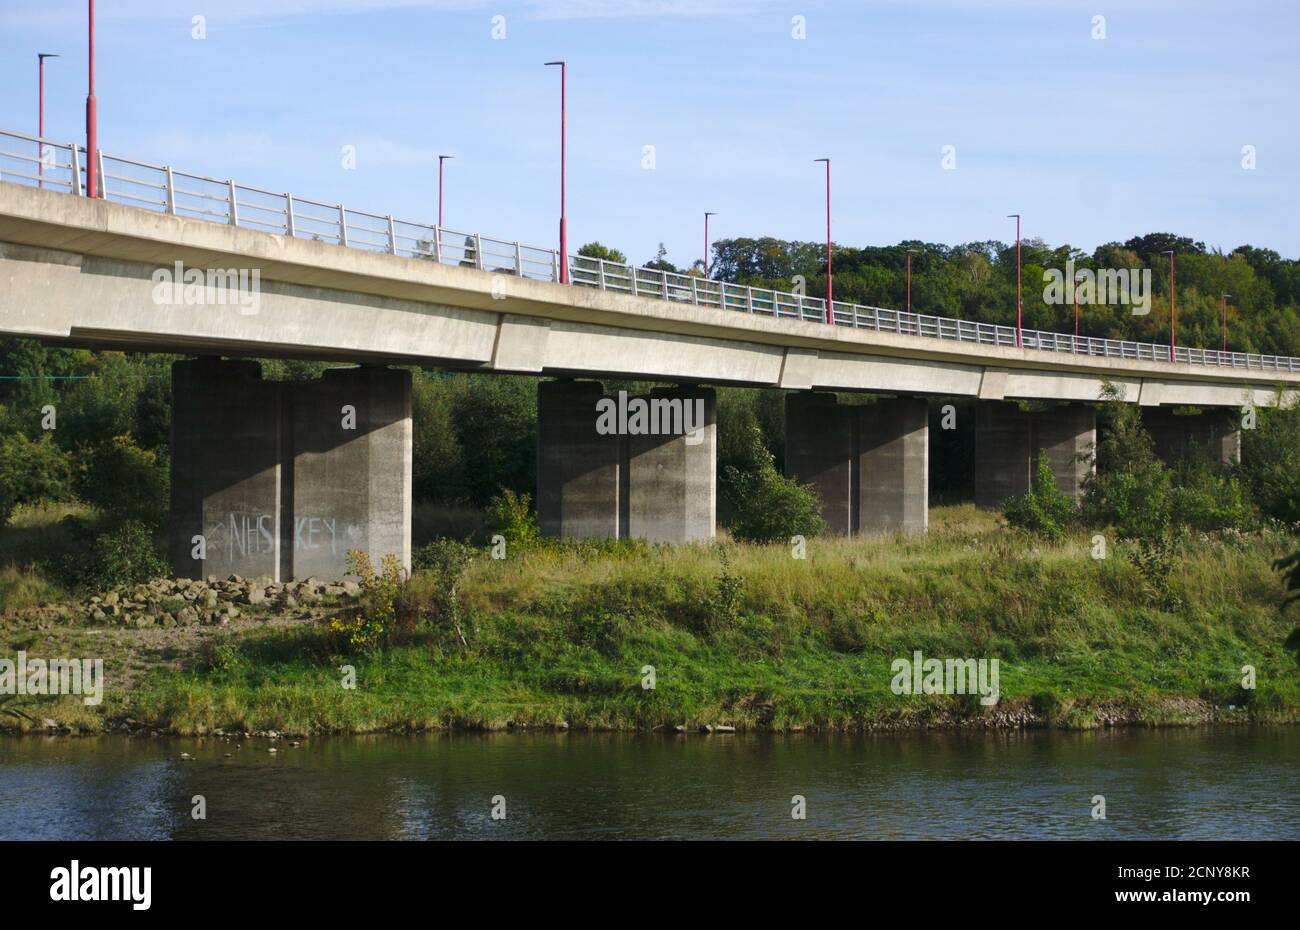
(634, 476)
(1008, 440)
(281, 479)
(1216, 433)
(869, 463)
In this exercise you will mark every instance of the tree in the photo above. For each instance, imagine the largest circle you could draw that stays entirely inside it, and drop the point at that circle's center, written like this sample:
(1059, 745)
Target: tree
(596, 250)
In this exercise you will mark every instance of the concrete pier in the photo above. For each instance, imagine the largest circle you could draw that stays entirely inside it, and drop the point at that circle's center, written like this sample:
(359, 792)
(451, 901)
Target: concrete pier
(1008, 441)
(281, 479)
(1215, 433)
(643, 479)
(869, 464)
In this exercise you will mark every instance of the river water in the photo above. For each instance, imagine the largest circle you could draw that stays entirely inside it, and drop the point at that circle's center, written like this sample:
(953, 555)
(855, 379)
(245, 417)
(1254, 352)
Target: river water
(1229, 783)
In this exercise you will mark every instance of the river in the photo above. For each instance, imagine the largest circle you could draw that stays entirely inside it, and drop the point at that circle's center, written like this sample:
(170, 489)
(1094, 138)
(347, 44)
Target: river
(1227, 783)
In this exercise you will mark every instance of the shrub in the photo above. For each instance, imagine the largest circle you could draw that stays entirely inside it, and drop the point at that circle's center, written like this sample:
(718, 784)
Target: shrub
(1290, 568)
(1205, 500)
(511, 515)
(124, 554)
(726, 600)
(445, 561)
(1045, 510)
(376, 617)
(30, 471)
(1269, 454)
(766, 505)
(125, 482)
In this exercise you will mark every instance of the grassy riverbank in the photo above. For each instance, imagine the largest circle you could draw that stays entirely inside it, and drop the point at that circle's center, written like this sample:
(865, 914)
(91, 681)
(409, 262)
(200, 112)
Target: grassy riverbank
(560, 636)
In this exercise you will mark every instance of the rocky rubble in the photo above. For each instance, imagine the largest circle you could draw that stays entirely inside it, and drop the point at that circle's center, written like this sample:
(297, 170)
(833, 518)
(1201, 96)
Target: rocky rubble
(190, 602)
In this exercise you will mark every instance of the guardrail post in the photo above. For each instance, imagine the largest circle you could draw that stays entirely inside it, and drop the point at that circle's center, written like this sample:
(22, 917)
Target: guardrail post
(749, 298)
(343, 226)
(234, 206)
(171, 191)
(478, 251)
(600, 272)
(663, 278)
(437, 244)
(631, 272)
(103, 178)
(519, 261)
(555, 266)
(289, 226)
(76, 171)
(392, 237)
(695, 290)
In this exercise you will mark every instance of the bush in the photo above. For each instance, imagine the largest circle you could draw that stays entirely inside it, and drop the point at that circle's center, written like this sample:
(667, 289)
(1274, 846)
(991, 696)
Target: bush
(766, 505)
(1269, 454)
(376, 618)
(30, 472)
(445, 561)
(124, 554)
(1205, 500)
(125, 482)
(511, 515)
(1045, 510)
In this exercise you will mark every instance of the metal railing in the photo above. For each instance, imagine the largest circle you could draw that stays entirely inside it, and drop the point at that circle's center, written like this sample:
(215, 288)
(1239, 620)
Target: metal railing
(61, 166)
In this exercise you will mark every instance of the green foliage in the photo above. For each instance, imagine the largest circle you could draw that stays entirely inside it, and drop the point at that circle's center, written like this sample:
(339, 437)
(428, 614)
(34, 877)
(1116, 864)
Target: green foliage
(125, 553)
(376, 618)
(496, 428)
(596, 250)
(1203, 499)
(1046, 509)
(31, 471)
(1154, 557)
(767, 506)
(511, 515)
(724, 603)
(444, 563)
(125, 481)
(1270, 463)
(1290, 569)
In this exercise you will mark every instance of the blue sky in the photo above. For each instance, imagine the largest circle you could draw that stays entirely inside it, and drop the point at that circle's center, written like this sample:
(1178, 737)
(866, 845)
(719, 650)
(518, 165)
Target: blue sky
(1091, 140)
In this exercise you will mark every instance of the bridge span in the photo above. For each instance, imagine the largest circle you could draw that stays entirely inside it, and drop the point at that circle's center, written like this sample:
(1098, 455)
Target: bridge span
(283, 479)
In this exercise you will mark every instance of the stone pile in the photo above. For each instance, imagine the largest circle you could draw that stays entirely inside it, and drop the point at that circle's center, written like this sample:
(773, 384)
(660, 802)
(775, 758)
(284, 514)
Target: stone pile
(190, 602)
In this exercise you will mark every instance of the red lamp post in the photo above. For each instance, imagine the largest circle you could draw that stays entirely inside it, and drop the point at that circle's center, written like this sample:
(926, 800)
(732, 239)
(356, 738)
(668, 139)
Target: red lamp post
(1018, 303)
(1172, 321)
(830, 277)
(40, 116)
(441, 159)
(706, 243)
(564, 239)
(92, 142)
(1225, 325)
(909, 287)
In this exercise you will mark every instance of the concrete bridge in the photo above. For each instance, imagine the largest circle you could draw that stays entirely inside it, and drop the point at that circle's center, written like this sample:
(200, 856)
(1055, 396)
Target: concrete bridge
(282, 479)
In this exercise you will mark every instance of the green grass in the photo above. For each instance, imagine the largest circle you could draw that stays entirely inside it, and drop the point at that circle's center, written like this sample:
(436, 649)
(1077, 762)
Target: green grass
(559, 636)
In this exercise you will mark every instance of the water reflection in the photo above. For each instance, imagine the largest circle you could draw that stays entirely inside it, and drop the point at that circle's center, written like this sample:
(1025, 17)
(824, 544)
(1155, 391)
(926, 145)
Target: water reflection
(1221, 784)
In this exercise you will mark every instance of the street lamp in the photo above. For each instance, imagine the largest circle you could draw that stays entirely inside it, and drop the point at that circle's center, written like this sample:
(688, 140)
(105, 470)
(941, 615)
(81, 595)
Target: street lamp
(1172, 340)
(441, 159)
(909, 286)
(40, 117)
(1078, 276)
(1225, 324)
(92, 146)
(830, 278)
(1017, 216)
(564, 240)
(706, 243)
